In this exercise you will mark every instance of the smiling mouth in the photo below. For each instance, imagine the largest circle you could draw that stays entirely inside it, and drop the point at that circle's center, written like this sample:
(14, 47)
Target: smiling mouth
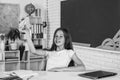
(58, 41)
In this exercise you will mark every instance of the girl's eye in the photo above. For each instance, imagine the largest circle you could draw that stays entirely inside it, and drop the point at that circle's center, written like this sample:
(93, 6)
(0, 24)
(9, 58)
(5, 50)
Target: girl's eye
(61, 36)
(56, 36)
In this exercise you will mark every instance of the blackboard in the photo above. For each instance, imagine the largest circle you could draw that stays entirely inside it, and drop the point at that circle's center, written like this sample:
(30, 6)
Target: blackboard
(91, 21)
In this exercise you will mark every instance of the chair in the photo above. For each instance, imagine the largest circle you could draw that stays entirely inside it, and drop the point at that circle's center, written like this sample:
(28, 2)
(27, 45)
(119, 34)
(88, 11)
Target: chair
(72, 63)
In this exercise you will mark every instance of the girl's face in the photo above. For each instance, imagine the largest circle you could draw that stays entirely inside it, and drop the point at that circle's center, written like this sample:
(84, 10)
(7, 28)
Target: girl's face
(59, 38)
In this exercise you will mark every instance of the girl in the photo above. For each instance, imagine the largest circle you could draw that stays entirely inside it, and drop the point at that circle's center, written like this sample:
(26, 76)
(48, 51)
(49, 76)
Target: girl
(61, 53)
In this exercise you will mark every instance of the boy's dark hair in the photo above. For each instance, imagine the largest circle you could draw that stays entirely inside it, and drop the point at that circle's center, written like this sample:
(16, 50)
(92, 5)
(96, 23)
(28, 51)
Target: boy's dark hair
(68, 40)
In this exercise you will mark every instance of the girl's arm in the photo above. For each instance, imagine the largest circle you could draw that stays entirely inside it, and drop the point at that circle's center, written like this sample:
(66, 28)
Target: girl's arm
(29, 41)
(79, 64)
(31, 45)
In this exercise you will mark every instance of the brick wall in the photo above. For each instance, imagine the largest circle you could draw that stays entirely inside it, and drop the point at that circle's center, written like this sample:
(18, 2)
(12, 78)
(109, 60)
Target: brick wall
(54, 18)
(94, 58)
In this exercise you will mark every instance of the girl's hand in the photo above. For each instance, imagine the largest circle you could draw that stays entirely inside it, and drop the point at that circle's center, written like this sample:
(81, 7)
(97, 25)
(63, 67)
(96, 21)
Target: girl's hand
(59, 69)
(55, 70)
(68, 69)
(26, 35)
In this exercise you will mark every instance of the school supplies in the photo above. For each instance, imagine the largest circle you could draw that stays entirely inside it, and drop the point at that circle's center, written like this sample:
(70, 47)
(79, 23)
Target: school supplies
(97, 74)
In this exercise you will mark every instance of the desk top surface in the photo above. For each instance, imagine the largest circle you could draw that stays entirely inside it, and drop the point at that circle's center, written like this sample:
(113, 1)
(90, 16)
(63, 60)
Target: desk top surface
(67, 76)
(46, 75)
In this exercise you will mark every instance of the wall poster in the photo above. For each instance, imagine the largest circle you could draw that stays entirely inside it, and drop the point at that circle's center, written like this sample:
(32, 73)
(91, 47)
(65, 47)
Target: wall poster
(9, 16)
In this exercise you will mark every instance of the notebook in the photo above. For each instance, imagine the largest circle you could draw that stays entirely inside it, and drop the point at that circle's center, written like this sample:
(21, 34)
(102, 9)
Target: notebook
(11, 78)
(98, 74)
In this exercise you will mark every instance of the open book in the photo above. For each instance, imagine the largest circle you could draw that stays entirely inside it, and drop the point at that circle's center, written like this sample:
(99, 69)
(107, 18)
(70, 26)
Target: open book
(24, 73)
(18, 75)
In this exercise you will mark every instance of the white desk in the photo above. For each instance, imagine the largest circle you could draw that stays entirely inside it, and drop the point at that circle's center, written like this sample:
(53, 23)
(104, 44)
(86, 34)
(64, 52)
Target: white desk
(45, 75)
(67, 76)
